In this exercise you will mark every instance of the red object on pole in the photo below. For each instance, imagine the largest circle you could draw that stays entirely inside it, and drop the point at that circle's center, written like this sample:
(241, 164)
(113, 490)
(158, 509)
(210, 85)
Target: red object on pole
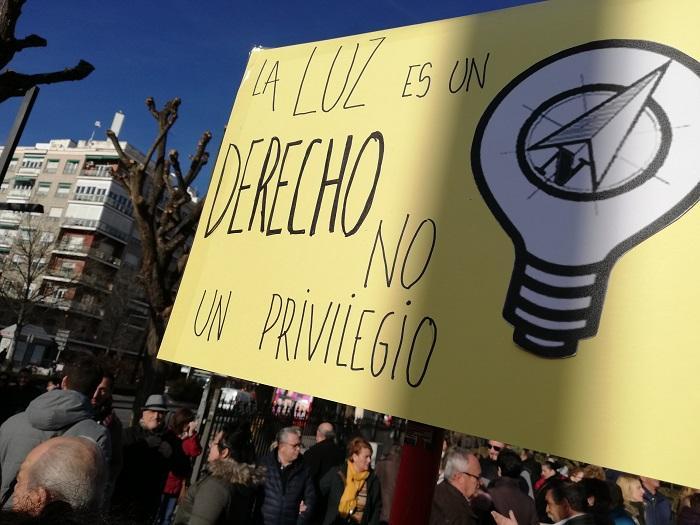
(418, 472)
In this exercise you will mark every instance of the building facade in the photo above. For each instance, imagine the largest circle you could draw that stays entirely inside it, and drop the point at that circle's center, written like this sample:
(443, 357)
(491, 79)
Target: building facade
(89, 288)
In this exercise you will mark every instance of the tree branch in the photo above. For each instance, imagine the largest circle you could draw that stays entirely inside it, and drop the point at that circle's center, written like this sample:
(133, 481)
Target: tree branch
(29, 41)
(14, 84)
(200, 158)
(180, 233)
(151, 105)
(175, 165)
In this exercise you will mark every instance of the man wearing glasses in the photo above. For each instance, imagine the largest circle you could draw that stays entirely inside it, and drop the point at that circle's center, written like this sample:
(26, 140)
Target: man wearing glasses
(289, 496)
(451, 499)
(489, 464)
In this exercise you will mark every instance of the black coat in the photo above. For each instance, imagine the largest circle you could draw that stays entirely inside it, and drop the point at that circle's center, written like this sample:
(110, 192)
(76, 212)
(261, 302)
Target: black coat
(148, 457)
(319, 459)
(322, 457)
(450, 507)
(507, 495)
(332, 487)
(280, 505)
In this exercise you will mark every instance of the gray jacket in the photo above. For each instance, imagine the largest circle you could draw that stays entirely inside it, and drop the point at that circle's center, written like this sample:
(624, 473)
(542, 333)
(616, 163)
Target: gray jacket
(55, 413)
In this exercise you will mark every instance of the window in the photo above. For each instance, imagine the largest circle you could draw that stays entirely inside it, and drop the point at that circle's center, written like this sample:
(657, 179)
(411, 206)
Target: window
(47, 236)
(32, 162)
(55, 212)
(51, 166)
(71, 167)
(75, 241)
(23, 183)
(44, 188)
(63, 189)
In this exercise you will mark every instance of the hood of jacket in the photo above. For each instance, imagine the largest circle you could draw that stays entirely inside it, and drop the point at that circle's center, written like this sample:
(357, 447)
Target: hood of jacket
(58, 409)
(237, 473)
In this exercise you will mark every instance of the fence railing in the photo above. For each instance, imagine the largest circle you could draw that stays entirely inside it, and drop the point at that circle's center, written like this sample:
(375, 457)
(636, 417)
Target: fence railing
(64, 304)
(95, 225)
(266, 420)
(87, 250)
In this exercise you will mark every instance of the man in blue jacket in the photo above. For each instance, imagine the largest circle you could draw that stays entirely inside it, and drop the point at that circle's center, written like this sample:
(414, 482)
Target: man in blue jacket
(288, 493)
(657, 508)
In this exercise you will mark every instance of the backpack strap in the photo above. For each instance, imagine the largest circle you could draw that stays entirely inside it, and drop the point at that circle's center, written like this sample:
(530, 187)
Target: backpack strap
(8, 493)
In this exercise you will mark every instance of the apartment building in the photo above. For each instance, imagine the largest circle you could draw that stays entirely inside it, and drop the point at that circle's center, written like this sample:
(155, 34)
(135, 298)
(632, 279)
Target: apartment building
(91, 300)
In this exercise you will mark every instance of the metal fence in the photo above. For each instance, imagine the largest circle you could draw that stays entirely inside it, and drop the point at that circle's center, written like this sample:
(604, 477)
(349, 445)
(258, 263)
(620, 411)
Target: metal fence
(266, 420)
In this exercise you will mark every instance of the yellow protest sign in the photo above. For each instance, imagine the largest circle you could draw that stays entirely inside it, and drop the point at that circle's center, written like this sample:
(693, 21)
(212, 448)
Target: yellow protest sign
(426, 221)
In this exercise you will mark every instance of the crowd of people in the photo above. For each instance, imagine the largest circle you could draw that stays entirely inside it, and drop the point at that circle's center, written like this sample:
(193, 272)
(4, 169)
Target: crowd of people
(508, 488)
(65, 458)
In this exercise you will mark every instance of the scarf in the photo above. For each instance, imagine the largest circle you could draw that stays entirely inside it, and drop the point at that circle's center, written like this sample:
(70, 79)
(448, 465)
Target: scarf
(353, 485)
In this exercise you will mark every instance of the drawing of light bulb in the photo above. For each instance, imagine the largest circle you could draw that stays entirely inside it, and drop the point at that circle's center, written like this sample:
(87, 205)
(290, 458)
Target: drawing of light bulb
(581, 157)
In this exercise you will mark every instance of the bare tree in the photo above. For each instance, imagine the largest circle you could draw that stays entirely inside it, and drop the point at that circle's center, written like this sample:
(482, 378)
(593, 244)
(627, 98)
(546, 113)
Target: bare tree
(166, 216)
(23, 268)
(13, 84)
(119, 322)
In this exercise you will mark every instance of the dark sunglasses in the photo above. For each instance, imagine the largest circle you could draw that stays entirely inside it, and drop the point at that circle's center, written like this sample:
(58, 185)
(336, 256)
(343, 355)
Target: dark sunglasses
(494, 447)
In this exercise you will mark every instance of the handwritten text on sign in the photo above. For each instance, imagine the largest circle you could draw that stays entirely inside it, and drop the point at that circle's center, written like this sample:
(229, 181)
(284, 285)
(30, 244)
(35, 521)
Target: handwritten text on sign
(349, 248)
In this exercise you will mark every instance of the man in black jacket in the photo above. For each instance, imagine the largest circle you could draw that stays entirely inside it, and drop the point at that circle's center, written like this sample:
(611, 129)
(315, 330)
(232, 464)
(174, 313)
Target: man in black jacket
(566, 501)
(566, 504)
(149, 454)
(506, 492)
(451, 499)
(289, 497)
(321, 458)
(325, 454)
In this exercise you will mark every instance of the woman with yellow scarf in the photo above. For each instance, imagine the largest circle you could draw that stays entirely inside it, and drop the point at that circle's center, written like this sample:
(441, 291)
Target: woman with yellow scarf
(352, 489)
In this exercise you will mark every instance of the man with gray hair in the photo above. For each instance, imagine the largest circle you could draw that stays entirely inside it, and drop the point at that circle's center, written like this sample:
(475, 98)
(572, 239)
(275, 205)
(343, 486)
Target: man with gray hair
(461, 482)
(289, 497)
(70, 470)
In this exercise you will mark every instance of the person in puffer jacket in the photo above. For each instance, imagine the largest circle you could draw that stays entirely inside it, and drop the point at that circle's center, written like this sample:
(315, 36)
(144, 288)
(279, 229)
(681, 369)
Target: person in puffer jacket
(289, 496)
(64, 412)
(228, 491)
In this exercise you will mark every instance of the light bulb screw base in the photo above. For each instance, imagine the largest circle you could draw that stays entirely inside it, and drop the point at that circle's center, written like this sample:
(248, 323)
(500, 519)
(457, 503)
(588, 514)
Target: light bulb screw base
(552, 307)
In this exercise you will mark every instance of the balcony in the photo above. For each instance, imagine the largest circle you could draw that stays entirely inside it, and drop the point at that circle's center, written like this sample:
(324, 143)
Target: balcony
(89, 198)
(31, 172)
(103, 199)
(92, 224)
(71, 276)
(75, 306)
(10, 218)
(84, 250)
(20, 193)
(105, 173)
(71, 248)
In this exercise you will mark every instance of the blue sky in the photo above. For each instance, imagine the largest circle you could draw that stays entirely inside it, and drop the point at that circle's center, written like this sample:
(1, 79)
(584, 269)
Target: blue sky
(194, 50)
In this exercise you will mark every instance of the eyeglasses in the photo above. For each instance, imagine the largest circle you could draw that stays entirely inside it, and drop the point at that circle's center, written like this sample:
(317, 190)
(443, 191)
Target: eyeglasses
(293, 445)
(219, 445)
(494, 447)
(477, 478)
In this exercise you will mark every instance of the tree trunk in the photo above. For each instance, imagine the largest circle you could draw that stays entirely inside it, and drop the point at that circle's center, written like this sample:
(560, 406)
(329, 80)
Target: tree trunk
(155, 372)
